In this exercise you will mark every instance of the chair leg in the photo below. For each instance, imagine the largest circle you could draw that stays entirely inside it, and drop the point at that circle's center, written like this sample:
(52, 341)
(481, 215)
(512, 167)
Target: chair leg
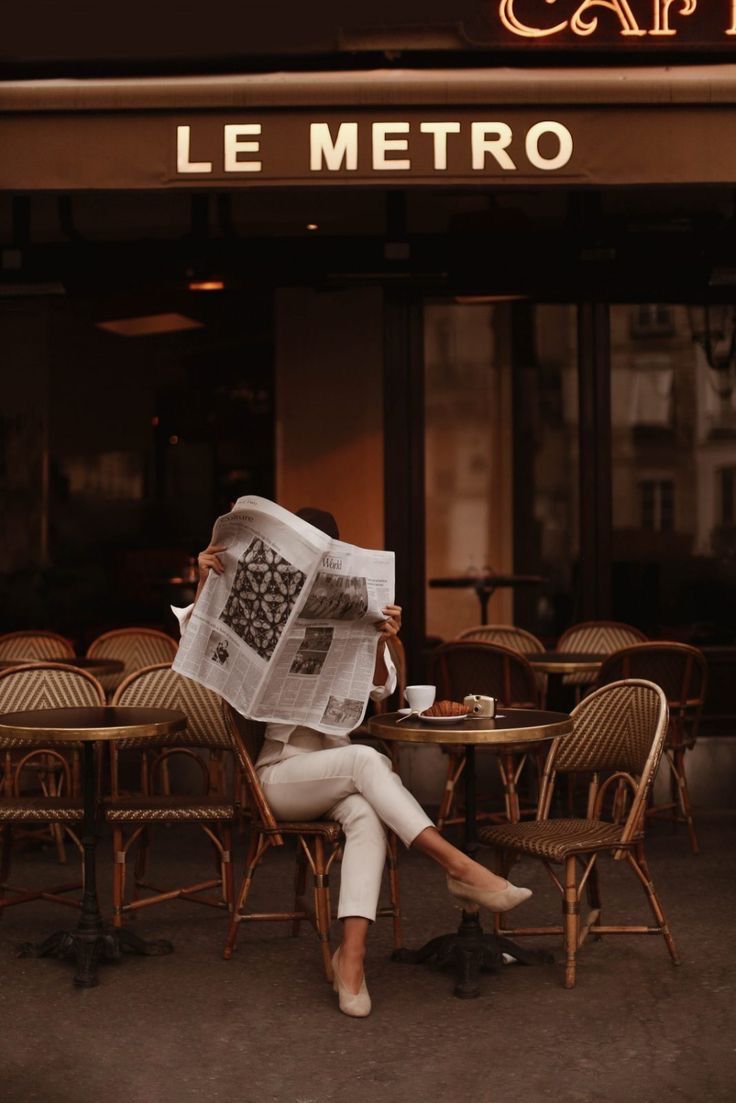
(118, 879)
(228, 888)
(392, 850)
(300, 884)
(638, 863)
(571, 919)
(593, 888)
(322, 906)
(682, 796)
(254, 852)
(455, 767)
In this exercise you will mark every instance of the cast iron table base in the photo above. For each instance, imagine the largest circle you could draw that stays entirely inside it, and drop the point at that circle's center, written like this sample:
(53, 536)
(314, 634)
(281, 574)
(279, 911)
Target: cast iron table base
(89, 948)
(92, 941)
(470, 950)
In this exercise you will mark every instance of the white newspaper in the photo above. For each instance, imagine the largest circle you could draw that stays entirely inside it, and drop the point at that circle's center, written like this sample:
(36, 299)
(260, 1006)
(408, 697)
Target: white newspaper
(288, 632)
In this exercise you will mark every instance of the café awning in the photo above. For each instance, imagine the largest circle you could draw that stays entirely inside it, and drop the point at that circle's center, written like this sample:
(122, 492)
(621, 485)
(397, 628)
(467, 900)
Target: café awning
(463, 127)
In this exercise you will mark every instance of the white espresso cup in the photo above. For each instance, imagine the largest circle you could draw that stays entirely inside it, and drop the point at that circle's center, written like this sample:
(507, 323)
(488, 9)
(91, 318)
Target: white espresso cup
(420, 697)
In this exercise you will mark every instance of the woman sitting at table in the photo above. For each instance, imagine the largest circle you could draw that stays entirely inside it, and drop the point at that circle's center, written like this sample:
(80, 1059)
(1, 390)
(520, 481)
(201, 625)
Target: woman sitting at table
(306, 775)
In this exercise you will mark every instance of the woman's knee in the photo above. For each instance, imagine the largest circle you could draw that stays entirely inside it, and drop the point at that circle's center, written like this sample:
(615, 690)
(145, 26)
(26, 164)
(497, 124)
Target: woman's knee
(367, 758)
(358, 817)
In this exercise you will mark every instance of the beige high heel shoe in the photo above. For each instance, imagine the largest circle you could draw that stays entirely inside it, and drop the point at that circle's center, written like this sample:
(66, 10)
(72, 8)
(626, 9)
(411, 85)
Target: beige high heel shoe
(502, 900)
(356, 1004)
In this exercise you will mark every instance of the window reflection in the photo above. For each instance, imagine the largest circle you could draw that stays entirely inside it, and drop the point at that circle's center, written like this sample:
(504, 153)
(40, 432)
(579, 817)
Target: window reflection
(674, 478)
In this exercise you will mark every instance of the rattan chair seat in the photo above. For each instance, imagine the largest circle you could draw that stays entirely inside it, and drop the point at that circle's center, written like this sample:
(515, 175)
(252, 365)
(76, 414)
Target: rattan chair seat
(326, 829)
(168, 809)
(40, 810)
(554, 840)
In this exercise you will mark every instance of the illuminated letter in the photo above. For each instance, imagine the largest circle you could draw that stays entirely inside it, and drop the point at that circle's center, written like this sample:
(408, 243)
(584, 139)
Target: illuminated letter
(481, 144)
(564, 137)
(662, 14)
(512, 23)
(343, 149)
(440, 131)
(183, 164)
(619, 7)
(233, 146)
(382, 145)
(732, 28)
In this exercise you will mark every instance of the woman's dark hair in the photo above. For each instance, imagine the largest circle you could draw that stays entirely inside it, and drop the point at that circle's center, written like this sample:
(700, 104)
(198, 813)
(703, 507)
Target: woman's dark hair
(321, 520)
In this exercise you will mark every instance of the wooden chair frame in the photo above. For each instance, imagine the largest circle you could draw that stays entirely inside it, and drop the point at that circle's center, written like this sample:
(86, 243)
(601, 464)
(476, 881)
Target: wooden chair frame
(511, 761)
(519, 639)
(685, 707)
(622, 838)
(64, 649)
(213, 814)
(56, 811)
(98, 649)
(318, 845)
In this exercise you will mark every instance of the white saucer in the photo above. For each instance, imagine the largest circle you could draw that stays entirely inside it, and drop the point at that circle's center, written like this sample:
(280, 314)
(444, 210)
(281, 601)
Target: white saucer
(443, 719)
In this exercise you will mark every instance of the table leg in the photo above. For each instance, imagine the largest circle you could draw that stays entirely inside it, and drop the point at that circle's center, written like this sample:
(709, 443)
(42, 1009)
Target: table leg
(470, 949)
(484, 592)
(470, 829)
(91, 941)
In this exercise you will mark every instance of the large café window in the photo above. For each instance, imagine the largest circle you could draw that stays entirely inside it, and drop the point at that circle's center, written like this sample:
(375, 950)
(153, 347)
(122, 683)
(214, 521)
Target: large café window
(674, 477)
(501, 452)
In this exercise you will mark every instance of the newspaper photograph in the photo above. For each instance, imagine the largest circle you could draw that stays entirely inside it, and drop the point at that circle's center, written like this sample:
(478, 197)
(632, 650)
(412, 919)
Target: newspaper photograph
(287, 633)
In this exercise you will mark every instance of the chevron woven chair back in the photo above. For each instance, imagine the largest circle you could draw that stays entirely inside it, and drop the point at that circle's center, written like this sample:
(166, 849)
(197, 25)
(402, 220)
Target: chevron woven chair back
(504, 635)
(35, 645)
(42, 686)
(680, 670)
(136, 647)
(602, 636)
(460, 668)
(613, 729)
(161, 687)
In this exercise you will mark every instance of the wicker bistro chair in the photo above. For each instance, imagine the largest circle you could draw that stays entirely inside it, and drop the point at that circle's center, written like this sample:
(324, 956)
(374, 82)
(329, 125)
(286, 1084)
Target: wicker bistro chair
(35, 645)
(619, 732)
(136, 647)
(682, 672)
(159, 686)
(595, 636)
(58, 806)
(318, 845)
(459, 668)
(516, 639)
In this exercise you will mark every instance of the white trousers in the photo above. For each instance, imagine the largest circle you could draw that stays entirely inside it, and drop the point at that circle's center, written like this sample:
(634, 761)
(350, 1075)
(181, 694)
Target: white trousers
(356, 786)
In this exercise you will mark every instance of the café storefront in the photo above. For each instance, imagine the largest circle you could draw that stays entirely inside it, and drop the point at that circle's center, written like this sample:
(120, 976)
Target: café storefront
(483, 271)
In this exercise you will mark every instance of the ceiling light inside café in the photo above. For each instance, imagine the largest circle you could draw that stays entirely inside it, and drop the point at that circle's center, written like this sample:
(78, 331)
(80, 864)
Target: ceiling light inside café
(207, 285)
(149, 325)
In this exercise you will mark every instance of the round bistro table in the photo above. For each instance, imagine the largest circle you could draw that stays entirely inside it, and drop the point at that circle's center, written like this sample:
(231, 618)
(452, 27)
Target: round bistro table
(485, 586)
(565, 662)
(92, 940)
(470, 948)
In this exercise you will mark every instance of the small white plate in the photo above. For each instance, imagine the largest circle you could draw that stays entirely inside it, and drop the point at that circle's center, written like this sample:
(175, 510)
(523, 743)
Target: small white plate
(404, 712)
(443, 719)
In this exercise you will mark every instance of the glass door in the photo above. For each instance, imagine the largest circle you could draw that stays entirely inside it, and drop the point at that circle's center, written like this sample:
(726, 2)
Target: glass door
(501, 461)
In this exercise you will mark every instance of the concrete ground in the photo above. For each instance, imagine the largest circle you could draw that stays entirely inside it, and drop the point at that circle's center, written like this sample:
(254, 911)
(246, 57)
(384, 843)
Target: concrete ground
(264, 1027)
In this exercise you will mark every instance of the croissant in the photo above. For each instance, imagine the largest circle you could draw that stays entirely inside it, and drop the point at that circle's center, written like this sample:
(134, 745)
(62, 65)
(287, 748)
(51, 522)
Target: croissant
(446, 708)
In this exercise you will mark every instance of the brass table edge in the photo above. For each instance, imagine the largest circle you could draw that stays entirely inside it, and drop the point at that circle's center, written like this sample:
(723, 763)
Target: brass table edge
(422, 733)
(94, 735)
